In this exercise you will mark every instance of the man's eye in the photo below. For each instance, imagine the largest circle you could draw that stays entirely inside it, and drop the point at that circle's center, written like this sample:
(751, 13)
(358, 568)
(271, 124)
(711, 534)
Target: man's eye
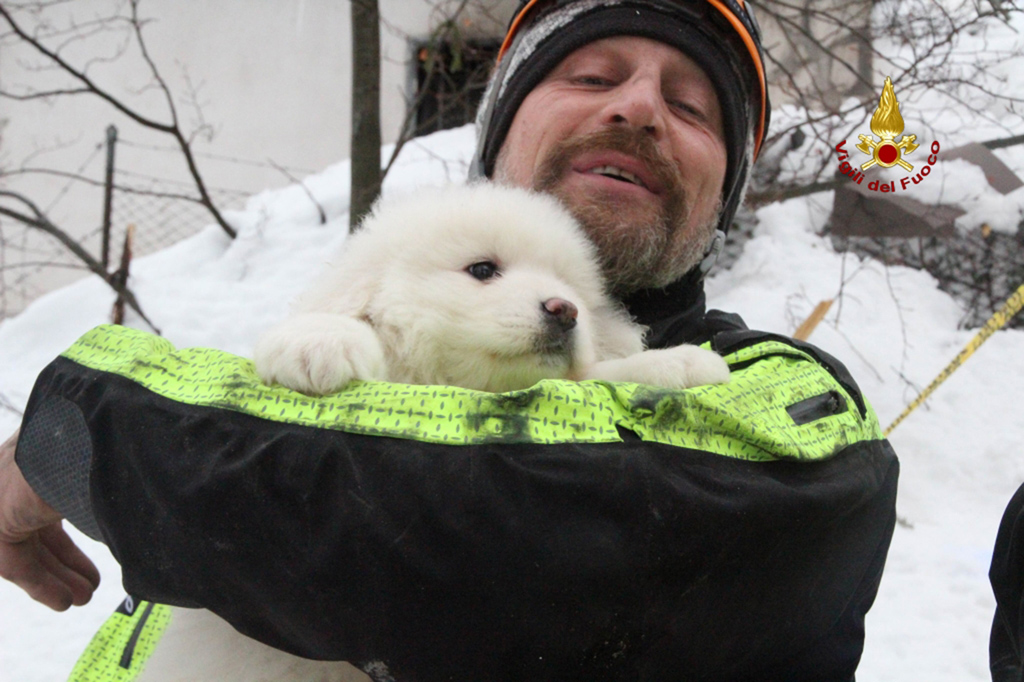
(592, 80)
(686, 108)
(483, 270)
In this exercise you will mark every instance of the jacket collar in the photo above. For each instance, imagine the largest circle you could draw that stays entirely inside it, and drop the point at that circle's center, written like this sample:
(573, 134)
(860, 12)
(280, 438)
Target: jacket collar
(674, 314)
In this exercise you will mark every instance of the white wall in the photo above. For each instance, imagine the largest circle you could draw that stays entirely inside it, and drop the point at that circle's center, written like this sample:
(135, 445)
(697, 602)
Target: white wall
(273, 79)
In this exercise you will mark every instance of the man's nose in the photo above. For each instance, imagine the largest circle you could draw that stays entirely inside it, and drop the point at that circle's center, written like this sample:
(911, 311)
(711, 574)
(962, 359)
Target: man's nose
(638, 102)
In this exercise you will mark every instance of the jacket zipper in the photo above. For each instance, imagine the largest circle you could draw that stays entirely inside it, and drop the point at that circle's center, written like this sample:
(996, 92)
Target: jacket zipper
(129, 648)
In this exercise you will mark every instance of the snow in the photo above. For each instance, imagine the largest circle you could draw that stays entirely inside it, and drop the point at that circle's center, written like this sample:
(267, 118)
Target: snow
(891, 326)
(959, 452)
(209, 291)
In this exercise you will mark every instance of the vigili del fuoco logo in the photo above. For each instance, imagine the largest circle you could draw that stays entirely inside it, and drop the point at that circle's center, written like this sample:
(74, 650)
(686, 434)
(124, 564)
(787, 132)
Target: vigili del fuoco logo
(887, 151)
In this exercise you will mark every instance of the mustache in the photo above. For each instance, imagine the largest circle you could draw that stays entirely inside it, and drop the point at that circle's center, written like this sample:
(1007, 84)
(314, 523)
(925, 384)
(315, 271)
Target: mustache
(628, 140)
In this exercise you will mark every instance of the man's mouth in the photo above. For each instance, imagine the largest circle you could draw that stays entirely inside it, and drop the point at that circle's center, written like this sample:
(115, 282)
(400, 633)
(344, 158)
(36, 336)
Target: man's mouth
(618, 174)
(615, 155)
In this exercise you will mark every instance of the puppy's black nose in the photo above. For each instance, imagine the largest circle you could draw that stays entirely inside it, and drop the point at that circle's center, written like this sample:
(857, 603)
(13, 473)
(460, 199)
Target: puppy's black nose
(560, 312)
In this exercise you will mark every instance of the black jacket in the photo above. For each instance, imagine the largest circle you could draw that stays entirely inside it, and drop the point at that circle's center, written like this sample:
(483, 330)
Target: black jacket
(1006, 645)
(634, 554)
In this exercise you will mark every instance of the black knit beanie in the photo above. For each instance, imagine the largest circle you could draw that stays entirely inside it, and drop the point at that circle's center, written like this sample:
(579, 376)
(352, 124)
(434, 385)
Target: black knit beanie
(721, 36)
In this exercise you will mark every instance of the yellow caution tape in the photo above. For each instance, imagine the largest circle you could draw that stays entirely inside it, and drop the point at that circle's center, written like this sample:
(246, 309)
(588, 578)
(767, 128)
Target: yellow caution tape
(998, 320)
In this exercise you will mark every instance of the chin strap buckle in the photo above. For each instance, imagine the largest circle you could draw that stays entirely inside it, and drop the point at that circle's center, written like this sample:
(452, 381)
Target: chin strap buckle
(711, 255)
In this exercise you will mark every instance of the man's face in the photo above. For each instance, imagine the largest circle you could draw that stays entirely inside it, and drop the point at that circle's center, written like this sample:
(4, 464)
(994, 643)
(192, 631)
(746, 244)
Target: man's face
(627, 132)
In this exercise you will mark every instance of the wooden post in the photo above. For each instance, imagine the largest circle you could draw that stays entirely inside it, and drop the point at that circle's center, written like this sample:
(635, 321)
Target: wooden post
(804, 330)
(108, 195)
(366, 178)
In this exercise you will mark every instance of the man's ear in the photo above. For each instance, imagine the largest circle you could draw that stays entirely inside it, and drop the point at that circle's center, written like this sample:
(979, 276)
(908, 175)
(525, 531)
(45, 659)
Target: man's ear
(711, 255)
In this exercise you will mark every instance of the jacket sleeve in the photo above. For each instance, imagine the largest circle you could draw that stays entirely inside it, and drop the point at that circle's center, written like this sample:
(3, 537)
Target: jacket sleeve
(583, 531)
(1006, 645)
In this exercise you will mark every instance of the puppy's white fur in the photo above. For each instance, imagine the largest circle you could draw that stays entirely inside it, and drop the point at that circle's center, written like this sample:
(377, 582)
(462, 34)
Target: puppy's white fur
(400, 305)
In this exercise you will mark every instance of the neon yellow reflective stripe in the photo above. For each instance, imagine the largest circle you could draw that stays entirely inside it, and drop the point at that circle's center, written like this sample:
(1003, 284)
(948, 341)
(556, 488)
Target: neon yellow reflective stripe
(745, 418)
(119, 650)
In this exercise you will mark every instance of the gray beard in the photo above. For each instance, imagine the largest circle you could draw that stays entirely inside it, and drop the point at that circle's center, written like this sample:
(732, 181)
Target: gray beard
(639, 256)
(635, 253)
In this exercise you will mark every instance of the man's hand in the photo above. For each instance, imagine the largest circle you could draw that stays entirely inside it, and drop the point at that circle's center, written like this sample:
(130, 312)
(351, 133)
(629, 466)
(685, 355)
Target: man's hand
(35, 552)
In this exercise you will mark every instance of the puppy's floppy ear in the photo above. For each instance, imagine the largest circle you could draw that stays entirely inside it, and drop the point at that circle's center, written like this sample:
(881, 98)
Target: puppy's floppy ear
(350, 282)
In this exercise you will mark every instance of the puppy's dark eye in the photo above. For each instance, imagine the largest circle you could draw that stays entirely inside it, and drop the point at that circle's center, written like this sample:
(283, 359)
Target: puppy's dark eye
(483, 270)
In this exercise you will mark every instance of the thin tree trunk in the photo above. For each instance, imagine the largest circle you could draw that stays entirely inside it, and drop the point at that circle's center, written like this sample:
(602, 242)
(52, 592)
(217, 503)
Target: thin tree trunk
(366, 175)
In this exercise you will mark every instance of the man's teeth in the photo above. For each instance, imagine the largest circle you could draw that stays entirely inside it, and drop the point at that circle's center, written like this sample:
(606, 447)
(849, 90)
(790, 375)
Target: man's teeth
(614, 172)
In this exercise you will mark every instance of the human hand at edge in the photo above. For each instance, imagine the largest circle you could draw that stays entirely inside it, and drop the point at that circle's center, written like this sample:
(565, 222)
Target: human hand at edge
(36, 554)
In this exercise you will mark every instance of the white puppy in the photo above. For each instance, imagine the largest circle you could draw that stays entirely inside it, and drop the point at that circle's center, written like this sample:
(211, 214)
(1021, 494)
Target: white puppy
(483, 287)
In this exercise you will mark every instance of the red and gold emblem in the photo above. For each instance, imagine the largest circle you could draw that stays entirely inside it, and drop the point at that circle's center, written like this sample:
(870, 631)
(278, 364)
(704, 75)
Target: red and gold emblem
(887, 124)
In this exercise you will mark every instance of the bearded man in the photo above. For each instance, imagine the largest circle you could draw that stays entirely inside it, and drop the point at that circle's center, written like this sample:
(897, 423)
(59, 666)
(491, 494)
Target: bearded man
(746, 546)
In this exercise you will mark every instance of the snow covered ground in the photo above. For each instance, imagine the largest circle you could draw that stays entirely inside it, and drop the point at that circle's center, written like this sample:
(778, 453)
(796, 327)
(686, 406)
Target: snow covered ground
(961, 452)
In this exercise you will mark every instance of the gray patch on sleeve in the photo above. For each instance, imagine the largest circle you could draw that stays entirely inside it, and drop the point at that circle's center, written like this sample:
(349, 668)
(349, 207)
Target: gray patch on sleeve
(55, 456)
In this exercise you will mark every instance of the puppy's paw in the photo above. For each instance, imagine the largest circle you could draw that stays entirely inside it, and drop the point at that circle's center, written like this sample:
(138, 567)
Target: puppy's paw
(319, 353)
(677, 367)
(688, 366)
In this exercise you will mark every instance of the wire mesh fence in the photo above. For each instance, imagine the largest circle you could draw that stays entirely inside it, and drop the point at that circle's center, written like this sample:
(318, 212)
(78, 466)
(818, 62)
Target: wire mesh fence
(31, 264)
(160, 218)
(163, 211)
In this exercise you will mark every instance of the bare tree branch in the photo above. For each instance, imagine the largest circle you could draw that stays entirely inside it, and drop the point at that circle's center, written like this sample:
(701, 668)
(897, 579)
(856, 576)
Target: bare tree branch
(408, 130)
(284, 171)
(173, 128)
(6, 404)
(45, 94)
(39, 221)
(90, 86)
